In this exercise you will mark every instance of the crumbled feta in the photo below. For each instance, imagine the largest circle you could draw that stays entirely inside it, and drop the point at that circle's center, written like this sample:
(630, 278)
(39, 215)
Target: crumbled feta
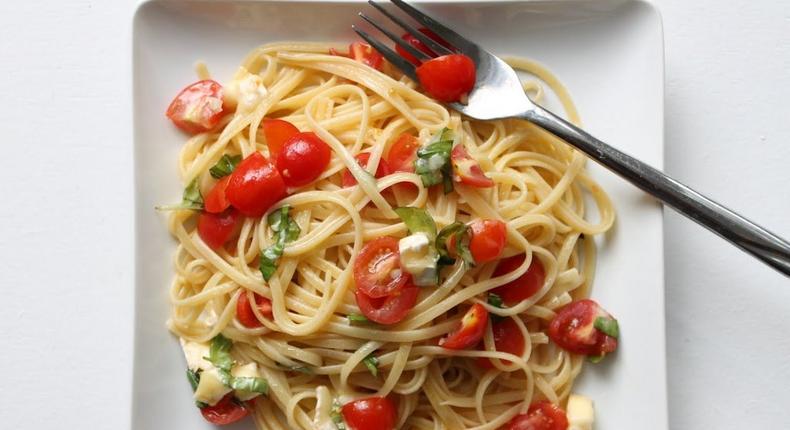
(418, 258)
(580, 413)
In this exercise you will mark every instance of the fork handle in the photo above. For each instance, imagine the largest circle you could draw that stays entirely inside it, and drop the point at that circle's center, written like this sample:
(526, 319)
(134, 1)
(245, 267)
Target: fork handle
(746, 235)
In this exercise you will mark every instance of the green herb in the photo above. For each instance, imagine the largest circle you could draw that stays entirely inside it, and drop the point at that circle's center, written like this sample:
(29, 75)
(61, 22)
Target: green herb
(460, 232)
(191, 199)
(372, 363)
(608, 326)
(225, 166)
(219, 353)
(193, 376)
(357, 319)
(301, 369)
(417, 221)
(337, 417)
(595, 359)
(285, 230)
(253, 385)
(495, 301)
(433, 161)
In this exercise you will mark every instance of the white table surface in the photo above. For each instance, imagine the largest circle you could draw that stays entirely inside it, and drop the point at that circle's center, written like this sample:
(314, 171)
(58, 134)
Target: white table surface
(66, 215)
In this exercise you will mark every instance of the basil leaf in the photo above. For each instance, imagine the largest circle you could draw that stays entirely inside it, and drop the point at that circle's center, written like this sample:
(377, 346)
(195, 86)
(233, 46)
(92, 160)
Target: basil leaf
(495, 301)
(460, 232)
(286, 230)
(190, 199)
(225, 166)
(337, 417)
(417, 221)
(253, 385)
(194, 378)
(433, 161)
(219, 353)
(357, 319)
(372, 363)
(608, 326)
(595, 358)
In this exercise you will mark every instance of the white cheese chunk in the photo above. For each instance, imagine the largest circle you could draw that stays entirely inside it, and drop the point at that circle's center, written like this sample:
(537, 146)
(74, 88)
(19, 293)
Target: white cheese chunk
(580, 413)
(211, 390)
(195, 352)
(323, 410)
(246, 90)
(249, 370)
(418, 258)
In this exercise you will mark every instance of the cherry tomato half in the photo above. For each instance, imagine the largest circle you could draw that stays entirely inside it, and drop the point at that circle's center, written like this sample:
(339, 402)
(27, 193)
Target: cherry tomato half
(362, 53)
(226, 411)
(507, 338)
(403, 153)
(467, 171)
(216, 201)
(523, 287)
(216, 229)
(372, 413)
(198, 107)
(470, 330)
(389, 309)
(382, 170)
(488, 239)
(377, 271)
(413, 41)
(277, 132)
(302, 159)
(574, 329)
(540, 416)
(245, 314)
(447, 78)
(255, 186)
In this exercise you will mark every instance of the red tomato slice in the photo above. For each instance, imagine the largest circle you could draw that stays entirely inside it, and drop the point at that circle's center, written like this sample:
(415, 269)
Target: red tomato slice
(523, 287)
(277, 132)
(389, 309)
(507, 338)
(302, 159)
(216, 229)
(377, 271)
(467, 171)
(216, 201)
(488, 239)
(540, 416)
(469, 331)
(372, 413)
(198, 107)
(447, 78)
(382, 170)
(362, 53)
(255, 186)
(226, 411)
(573, 329)
(413, 41)
(245, 314)
(403, 153)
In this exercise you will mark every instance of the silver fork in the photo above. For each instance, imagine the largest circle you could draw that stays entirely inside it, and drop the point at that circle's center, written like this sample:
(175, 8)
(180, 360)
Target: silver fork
(498, 94)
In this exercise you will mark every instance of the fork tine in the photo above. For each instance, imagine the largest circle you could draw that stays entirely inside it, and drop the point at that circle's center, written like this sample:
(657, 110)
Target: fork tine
(432, 44)
(402, 43)
(403, 64)
(455, 39)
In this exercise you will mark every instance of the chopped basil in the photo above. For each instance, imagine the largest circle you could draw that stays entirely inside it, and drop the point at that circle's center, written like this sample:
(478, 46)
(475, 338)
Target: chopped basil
(417, 221)
(225, 166)
(357, 319)
(219, 353)
(595, 358)
(337, 417)
(460, 232)
(286, 230)
(372, 363)
(495, 301)
(608, 326)
(193, 376)
(253, 385)
(433, 161)
(190, 199)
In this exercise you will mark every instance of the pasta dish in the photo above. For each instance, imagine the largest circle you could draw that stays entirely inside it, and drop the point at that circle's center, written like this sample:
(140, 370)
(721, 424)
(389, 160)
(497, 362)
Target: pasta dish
(354, 255)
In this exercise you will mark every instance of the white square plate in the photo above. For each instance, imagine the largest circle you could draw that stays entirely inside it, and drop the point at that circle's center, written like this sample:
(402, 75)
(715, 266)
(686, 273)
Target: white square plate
(608, 52)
